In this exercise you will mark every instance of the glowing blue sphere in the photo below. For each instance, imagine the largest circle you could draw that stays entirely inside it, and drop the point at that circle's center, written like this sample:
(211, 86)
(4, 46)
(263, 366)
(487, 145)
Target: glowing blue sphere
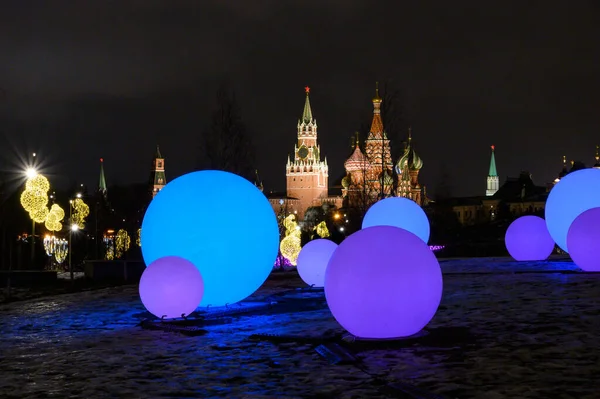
(221, 223)
(570, 197)
(313, 260)
(398, 212)
(527, 239)
(171, 287)
(383, 282)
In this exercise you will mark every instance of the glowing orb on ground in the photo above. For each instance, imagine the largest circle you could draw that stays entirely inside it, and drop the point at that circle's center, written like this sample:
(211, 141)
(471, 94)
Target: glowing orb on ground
(221, 223)
(570, 197)
(313, 259)
(398, 212)
(171, 287)
(383, 282)
(527, 238)
(583, 239)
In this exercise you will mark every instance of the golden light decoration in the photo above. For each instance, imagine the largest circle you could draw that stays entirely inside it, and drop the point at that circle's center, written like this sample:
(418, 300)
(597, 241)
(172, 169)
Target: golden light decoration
(122, 241)
(138, 239)
(49, 245)
(38, 184)
(81, 211)
(109, 244)
(39, 215)
(322, 230)
(53, 221)
(32, 201)
(290, 246)
(61, 250)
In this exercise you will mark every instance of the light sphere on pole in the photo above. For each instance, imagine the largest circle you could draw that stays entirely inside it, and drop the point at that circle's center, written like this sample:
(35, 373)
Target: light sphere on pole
(528, 239)
(313, 259)
(570, 197)
(399, 212)
(203, 217)
(30, 173)
(583, 238)
(171, 287)
(74, 227)
(383, 282)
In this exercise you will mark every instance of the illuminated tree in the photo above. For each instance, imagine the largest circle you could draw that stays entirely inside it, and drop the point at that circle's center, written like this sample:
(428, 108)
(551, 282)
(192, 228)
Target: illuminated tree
(290, 246)
(122, 243)
(81, 211)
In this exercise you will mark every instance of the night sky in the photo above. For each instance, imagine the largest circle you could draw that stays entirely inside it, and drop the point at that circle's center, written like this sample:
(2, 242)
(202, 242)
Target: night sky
(85, 79)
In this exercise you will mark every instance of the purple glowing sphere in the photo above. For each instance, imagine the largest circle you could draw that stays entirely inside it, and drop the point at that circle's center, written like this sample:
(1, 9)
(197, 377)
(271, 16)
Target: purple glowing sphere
(313, 260)
(583, 239)
(171, 287)
(383, 282)
(527, 238)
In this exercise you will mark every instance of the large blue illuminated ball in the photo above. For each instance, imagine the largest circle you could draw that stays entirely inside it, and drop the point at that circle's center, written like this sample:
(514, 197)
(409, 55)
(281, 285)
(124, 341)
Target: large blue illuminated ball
(570, 197)
(583, 238)
(221, 223)
(398, 212)
(313, 260)
(527, 239)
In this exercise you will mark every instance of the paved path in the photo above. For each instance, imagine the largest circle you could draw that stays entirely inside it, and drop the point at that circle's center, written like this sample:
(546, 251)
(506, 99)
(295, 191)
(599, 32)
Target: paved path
(496, 335)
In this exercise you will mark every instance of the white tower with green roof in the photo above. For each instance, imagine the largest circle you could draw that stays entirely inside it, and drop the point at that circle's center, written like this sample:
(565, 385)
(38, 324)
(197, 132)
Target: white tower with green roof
(493, 181)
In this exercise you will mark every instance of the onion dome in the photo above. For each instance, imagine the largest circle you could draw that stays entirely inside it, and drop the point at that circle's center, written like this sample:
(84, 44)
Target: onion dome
(388, 180)
(357, 161)
(346, 181)
(377, 99)
(415, 162)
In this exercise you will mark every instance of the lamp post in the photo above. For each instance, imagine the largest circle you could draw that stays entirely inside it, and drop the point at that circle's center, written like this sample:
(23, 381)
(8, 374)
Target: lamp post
(30, 173)
(72, 227)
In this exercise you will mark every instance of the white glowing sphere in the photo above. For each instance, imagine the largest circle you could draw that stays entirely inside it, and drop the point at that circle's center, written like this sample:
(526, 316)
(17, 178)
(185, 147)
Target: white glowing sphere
(313, 260)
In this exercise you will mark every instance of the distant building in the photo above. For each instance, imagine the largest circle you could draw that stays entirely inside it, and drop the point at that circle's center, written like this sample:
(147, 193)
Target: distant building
(369, 175)
(157, 178)
(307, 172)
(493, 181)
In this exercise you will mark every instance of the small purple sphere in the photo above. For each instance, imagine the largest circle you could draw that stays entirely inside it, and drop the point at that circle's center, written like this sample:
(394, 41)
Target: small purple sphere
(313, 260)
(583, 239)
(383, 282)
(528, 239)
(171, 287)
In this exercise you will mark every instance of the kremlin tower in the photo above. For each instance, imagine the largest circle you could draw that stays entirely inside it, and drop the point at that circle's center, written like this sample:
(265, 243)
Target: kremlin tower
(307, 177)
(493, 181)
(157, 177)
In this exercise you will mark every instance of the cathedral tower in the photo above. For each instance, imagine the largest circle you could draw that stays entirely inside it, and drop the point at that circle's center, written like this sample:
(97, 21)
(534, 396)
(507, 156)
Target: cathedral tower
(493, 181)
(407, 169)
(378, 152)
(157, 178)
(307, 177)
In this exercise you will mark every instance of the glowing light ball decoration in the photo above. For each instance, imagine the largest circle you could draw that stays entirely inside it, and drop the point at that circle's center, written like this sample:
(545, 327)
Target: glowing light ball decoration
(221, 223)
(398, 212)
(171, 287)
(383, 282)
(527, 238)
(570, 197)
(313, 259)
(583, 239)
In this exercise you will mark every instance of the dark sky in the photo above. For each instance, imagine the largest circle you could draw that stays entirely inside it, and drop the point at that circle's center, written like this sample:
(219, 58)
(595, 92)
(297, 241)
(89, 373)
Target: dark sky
(89, 78)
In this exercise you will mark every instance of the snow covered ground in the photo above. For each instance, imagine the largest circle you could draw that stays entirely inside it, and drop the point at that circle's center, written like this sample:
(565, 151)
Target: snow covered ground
(514, 330)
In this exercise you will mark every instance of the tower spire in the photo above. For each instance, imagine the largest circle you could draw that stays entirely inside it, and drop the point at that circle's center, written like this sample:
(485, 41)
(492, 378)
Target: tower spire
(102, 182)
(597, 157)
(307, 115)
(157, 179)
(493, 181)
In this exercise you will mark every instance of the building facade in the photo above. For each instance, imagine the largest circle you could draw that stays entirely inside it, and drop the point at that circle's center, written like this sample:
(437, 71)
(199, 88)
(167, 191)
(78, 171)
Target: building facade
(369, 174)
(307, 172)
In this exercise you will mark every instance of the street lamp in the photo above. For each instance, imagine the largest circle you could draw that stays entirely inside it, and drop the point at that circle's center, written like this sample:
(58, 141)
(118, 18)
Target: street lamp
(73, 227)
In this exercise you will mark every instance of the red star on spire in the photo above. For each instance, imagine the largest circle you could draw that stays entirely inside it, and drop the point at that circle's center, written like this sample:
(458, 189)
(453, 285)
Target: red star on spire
(493, 147)
(101, 159)
(307, 89)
